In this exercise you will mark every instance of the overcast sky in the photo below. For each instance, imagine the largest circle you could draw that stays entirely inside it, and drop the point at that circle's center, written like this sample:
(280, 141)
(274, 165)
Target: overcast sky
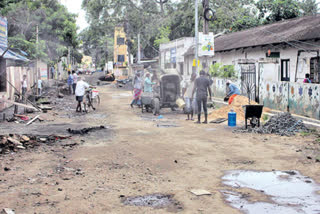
(74, 6)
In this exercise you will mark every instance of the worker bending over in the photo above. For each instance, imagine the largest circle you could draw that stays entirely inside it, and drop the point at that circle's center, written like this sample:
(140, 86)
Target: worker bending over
(233, 91)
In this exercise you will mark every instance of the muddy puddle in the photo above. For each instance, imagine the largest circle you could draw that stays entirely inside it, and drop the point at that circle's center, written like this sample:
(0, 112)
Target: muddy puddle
(157, 201)
(281, 192)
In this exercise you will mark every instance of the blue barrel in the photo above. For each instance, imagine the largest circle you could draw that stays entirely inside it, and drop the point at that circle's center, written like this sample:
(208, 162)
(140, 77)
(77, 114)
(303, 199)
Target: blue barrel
(232, 118)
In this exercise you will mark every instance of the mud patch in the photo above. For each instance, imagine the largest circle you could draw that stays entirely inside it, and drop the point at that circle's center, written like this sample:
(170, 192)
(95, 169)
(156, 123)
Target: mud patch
(157, 201)
(288, 191)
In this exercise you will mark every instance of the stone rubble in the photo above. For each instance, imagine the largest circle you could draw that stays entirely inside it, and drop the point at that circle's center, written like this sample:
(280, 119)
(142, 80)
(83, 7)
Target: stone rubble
(282, 124)
(14, 142)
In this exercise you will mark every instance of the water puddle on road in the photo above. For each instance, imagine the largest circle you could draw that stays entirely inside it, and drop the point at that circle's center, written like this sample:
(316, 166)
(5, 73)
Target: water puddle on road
(288, 192)
(157, 201)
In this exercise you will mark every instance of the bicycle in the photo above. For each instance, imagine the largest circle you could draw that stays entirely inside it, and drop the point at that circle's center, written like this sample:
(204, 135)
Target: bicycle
(93, 99)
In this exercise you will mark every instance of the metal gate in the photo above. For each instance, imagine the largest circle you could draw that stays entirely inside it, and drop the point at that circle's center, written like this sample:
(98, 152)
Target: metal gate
(248, 80)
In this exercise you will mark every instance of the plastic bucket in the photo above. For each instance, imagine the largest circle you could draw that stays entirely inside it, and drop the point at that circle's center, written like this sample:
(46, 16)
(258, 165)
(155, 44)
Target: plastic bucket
(180, 103)
(232, 119)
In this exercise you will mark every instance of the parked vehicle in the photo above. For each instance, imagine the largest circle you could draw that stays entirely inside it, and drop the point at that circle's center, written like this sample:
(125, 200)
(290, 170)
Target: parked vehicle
(169, 93)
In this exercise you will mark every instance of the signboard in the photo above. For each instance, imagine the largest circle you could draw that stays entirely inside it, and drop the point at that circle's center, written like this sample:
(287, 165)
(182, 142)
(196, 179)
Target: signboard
(3, 32)
(110, 66)
(173, 55)
(43, 73)
(206, 44)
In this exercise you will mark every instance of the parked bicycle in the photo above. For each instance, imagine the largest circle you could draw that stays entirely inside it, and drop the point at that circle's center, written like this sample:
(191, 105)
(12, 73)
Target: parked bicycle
(92, 99)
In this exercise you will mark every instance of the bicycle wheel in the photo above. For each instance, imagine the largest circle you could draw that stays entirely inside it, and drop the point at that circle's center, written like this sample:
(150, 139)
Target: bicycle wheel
(96, 101)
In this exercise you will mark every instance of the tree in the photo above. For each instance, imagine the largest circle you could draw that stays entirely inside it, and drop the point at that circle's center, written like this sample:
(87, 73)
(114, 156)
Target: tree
(309, 7)
(57, 28)
(277, 10)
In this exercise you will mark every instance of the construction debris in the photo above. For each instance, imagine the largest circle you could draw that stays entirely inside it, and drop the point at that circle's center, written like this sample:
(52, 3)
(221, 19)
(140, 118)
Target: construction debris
(7, 211)
(281, 124)
(200, 192)
(85, 130)
(13, 142)
(31, 121)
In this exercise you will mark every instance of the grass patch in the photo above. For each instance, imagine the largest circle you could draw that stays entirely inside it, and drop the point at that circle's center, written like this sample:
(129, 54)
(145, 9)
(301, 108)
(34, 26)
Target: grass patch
(265, 117)
(304, 134)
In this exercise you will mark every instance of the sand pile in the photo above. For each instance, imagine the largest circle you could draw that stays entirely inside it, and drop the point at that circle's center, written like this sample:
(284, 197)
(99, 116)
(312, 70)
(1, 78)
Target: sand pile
(236, 105)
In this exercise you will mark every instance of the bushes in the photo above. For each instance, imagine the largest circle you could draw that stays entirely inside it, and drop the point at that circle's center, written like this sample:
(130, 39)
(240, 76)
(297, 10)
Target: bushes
(224, 71)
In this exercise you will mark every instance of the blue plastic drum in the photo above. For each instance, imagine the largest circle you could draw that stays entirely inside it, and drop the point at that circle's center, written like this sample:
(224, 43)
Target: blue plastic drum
(232, 119)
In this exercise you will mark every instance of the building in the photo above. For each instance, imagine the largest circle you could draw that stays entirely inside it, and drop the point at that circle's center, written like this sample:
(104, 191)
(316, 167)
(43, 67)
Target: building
(271, 62)
(172, 55)
(120, 52)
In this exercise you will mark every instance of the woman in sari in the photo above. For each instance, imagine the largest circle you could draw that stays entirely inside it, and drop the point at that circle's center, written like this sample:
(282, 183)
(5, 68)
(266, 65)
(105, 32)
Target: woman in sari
(137, 90)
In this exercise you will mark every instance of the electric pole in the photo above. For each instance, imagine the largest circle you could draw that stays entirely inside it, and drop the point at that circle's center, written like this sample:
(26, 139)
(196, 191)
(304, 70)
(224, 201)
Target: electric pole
(205, 22)
(196, 34)
(139, 49)
(37, 47)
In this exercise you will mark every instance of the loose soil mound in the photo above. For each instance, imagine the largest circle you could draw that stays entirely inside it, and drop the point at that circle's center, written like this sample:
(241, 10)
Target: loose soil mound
(236, 105)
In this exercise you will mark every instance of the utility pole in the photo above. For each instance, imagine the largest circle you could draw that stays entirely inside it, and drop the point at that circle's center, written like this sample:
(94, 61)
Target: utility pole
(37, 47)
(68, 56)
(205, 31)
(139, 49)
(205, 22)
(196, 34)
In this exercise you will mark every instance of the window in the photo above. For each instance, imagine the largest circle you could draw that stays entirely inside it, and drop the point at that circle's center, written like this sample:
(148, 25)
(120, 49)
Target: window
(120, 41)
(314, 69)
(273, 55)
(3, 76)
(120, 58)
(285, 71)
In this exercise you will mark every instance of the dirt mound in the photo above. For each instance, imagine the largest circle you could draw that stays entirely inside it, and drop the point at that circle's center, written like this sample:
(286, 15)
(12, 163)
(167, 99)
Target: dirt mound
(236, 105)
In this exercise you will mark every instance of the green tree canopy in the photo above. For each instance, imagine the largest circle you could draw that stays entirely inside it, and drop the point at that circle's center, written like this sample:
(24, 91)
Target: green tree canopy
(56, 26)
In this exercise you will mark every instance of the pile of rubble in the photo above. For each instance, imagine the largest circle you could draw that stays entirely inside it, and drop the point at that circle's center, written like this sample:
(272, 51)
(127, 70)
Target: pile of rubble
(14, 142)
(281, 124)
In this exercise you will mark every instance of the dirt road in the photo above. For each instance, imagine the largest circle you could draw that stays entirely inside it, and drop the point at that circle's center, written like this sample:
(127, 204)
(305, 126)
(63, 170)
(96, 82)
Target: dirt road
(137, 155)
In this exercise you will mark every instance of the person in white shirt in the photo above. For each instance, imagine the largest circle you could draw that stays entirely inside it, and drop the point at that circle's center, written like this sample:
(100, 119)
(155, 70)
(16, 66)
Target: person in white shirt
(75, 80)
(80, 92)
(24, 85)
(39, 86)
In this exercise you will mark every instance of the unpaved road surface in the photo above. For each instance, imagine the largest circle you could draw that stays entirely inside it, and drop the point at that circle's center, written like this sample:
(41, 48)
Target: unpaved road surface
(137, 155)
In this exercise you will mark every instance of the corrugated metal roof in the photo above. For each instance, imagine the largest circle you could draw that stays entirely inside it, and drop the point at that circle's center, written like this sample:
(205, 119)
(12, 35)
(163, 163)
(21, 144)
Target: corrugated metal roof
(10, 54)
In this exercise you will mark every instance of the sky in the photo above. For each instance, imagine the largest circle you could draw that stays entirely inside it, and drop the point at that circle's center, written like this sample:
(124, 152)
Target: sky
(74, 6)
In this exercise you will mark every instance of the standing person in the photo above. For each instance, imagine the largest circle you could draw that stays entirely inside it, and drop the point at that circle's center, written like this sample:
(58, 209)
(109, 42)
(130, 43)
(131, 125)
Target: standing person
(155, 79)
(233, 91)
(137, 90)
(70, 82)
(307, 79)
(52, 71)
(202, 86)
(187, 93)
(80, 91)
(75, 80)
(39, 87)
(24, 86)
(147, 83)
